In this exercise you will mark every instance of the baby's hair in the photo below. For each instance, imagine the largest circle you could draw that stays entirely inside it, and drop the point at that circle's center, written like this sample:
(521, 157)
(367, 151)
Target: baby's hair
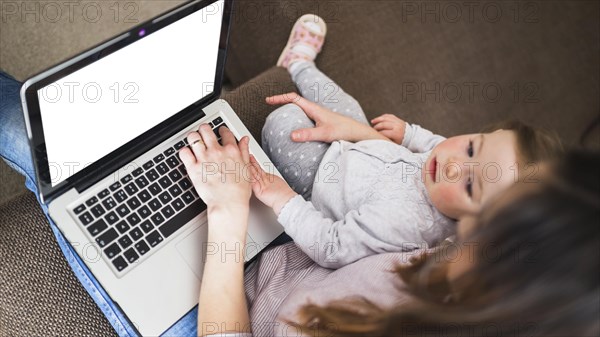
(533, 144)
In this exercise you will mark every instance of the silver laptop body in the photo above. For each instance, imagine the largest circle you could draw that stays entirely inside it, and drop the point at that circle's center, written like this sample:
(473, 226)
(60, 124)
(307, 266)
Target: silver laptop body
(130, 214)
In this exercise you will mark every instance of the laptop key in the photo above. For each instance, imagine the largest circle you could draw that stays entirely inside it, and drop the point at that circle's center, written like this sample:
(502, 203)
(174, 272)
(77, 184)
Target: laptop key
(148, 165)
(167, 211)
(169, 151)
(217, 121)
(131, 256)
(185, 183)
(175, 190)
(152, 175)
(144, 212)
(91, 201)
(154, 204)
(126, 179)
(136, 234)
(134, 203)
(165, 198)
(177, 204)
(144, 195)
(112, 250)
(122, 227)
(142, 247)
(154, 238)
(98, 210)
(188, 197)
(115, 186)
(104, 193)
(147, 226)
(172, 161)
(125, 241)
(79, 209)
(120, 195)
(137, 172)
(175, 175)
(154, 189)
(183, 217)
(111, 218)
(157, 219)
(179, 145)
(133, 219)
(86, 218)
(159, 158)
(109, 203)
(162, 168)
(165, 182)
(123, 210)
(131, 189)
(107, 237)
(142, 182)
(119, 263)
(183, 170)
(97, 227)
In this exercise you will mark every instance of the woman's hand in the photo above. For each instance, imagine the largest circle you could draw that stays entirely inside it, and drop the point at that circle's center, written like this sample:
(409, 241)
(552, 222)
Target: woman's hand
(391, 127)
(220, 173)
(270, 189)
(329, 126)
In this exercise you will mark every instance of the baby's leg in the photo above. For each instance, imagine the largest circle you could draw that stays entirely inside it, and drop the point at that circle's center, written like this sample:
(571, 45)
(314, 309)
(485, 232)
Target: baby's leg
(297, 162)
(317, 87)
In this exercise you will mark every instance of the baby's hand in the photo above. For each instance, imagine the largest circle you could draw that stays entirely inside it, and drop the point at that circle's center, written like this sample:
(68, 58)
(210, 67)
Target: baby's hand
(269, 188)
(390, 126)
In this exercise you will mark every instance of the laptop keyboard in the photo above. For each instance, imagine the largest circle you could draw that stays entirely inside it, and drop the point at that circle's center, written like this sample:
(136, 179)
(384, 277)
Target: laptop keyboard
(134, 215)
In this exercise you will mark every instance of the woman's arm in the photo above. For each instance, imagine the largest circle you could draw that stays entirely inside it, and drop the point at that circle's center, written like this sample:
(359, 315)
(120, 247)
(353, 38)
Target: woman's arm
(329, 126)
(222, 303)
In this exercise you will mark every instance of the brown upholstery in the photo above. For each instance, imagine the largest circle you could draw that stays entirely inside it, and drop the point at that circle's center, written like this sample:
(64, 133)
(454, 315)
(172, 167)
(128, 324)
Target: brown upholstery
(379, 51)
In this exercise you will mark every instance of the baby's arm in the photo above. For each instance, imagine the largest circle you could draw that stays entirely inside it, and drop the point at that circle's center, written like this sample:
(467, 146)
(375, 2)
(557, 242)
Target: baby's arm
(334, 244)
(411, 136)
(330, 243)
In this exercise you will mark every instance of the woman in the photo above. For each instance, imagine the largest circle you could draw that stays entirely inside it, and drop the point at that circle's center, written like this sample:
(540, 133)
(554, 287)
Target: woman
(528, 264)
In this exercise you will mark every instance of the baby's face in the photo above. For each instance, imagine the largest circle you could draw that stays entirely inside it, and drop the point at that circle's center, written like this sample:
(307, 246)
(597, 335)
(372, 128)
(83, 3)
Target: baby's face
(464, 171)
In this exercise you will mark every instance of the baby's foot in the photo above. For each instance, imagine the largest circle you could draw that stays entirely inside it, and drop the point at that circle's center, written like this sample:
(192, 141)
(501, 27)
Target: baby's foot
(305, 42)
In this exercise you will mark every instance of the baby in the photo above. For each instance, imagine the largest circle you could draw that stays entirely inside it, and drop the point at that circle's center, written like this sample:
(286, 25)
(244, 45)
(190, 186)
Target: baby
(355, 190)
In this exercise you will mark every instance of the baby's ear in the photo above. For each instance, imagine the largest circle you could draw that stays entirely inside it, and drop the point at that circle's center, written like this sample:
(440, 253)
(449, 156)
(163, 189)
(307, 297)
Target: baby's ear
(467, 224)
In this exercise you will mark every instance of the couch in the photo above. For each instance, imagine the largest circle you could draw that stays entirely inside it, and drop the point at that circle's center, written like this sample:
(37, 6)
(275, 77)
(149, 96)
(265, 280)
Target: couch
(452, 67)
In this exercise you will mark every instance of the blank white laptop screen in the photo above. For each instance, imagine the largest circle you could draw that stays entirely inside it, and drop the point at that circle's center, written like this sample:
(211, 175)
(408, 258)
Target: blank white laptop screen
(92, 112)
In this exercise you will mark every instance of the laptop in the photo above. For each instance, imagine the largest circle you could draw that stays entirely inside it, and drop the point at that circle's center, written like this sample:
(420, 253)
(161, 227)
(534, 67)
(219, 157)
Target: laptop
(105, 128)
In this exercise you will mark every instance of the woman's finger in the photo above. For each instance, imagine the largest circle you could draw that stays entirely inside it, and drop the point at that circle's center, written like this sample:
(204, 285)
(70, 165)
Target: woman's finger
(255, 170)
(227, 136)
(196, 144)
(317, 134)
(311, 109)
(187, 157)
(383, 126)
(208, 136)
(245, 149)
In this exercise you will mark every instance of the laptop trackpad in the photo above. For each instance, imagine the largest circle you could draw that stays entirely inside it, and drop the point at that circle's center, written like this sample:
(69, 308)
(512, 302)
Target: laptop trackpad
(193, 249)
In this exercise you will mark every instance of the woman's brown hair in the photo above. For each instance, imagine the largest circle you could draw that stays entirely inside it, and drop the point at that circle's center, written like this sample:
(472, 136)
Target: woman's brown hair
(544, 281)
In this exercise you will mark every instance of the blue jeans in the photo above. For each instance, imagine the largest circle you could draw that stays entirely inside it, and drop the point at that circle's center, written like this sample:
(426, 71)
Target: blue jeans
(14, 149)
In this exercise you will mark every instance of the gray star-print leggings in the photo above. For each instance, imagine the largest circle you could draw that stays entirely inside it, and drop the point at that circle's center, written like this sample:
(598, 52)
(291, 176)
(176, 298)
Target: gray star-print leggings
(298, 162)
